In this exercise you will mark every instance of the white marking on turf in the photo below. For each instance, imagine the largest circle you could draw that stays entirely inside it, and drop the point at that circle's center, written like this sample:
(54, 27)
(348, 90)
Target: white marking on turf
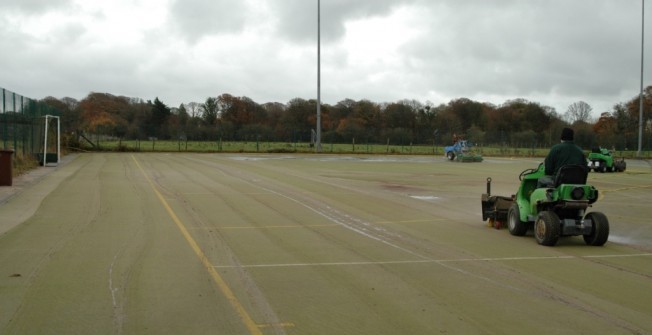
(496, 259)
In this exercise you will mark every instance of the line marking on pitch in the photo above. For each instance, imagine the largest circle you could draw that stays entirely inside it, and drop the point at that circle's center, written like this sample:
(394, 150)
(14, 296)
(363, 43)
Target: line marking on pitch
(217, 278)
(268, 227)
(310, 226)
(421, 261)
(627, 188)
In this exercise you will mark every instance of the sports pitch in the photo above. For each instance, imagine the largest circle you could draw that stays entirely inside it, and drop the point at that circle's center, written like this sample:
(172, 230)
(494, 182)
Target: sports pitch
(119, 243)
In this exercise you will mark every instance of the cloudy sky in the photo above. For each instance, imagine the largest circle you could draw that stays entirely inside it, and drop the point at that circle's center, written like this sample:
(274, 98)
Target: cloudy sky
(554, 52)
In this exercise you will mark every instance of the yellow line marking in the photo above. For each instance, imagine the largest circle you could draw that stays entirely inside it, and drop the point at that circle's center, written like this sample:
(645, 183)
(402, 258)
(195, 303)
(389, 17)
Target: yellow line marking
(277, 325)
(221, 284)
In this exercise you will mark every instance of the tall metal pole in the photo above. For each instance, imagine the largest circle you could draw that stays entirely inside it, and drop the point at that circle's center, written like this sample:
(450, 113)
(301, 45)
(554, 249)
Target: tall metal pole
(640, 106)
(318, 136)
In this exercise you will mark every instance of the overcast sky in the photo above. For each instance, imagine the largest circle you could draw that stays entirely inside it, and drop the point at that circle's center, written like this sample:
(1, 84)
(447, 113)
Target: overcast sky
(554, 52)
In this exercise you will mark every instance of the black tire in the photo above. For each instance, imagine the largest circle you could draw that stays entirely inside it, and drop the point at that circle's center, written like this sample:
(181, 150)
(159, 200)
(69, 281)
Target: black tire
(620, 166)
(450, 155)
(514, 224)
(600, 232)
(547, 228)
(610, 169)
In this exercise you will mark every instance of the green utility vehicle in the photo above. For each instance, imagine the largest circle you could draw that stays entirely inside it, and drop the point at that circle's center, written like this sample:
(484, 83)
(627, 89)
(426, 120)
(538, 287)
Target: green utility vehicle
(553, 210)
(601, 160)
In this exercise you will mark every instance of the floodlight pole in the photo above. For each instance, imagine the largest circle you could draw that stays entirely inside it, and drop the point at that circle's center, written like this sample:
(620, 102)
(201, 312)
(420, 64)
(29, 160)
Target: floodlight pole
(318, 133)
(640, 106)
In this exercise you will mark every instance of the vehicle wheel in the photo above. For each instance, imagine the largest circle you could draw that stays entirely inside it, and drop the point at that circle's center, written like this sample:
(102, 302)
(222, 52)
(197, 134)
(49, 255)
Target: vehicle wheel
(600, 232)
(620, 166)
(450, 155)
(601, 167)
(547, 228)
(610, 169)
(514, 224)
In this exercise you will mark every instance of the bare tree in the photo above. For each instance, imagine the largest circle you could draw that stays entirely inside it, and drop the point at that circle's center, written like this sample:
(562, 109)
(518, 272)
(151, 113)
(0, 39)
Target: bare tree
(193, 108)
(578, 111)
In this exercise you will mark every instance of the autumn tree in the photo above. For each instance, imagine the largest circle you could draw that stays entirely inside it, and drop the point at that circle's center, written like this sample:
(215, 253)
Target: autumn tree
(515, 122)
(467, 112)
(519, 122)
(297, 119)
(364, 122)
(425, 123)
(400, 122)
(606, 131)
(275, 112)
(102, 113)
(399, 115)
(70, 113)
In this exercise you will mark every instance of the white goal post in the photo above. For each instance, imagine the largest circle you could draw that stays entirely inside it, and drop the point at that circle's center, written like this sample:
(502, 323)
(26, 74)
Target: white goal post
(45, 141)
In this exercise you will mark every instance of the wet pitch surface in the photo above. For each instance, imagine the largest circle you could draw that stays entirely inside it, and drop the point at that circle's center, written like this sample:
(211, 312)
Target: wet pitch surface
(310, 244)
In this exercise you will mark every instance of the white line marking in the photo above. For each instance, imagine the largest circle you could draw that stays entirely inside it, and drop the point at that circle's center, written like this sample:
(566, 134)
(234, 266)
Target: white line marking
(334, 216)
(498, 259)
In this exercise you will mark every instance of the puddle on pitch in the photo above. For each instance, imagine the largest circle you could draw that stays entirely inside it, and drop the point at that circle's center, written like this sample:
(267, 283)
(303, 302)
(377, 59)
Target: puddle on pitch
(425, 197)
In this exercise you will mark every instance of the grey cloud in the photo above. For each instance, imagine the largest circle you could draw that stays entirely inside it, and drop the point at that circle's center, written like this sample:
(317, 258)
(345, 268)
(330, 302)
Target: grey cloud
(481, 49)
(576, 48)
(194, 19)
(298, 18)
(32, 6)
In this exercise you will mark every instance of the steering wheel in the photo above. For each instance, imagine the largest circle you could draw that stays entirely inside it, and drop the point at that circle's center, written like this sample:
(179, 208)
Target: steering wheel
(526, 172)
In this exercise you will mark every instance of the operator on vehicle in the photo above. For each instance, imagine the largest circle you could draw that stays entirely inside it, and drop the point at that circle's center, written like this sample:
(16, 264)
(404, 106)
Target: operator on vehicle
(562, 154)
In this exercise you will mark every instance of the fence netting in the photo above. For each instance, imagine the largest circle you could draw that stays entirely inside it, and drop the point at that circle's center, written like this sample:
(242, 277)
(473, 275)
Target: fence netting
(22, 124)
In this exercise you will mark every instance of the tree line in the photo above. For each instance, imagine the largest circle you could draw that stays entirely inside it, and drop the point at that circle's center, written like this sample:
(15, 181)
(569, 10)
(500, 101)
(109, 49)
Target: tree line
(226, 117)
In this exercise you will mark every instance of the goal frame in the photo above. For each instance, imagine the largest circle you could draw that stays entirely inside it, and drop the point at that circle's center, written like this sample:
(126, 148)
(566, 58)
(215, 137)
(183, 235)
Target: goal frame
(45, 141)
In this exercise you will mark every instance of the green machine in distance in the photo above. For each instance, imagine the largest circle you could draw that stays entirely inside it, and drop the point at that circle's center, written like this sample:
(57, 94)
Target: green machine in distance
(601, 160)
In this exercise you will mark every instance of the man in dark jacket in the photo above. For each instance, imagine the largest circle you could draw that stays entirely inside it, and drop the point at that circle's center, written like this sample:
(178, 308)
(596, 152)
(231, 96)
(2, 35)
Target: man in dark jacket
(564, 153)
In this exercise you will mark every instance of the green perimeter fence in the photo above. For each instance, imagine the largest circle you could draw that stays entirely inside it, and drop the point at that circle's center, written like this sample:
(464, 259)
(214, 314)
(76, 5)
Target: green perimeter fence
(152, 145)
(22, 124)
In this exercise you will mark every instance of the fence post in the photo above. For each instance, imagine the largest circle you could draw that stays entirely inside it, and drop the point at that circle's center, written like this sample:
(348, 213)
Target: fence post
(4, 116)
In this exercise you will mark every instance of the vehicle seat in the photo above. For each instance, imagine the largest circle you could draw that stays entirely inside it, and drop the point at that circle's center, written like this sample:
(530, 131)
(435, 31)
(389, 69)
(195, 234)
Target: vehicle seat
(571, 174)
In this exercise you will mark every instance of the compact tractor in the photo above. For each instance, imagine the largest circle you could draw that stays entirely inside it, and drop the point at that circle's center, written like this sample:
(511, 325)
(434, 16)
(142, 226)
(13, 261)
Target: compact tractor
(462, 151)
(552, 209)
(601, 160)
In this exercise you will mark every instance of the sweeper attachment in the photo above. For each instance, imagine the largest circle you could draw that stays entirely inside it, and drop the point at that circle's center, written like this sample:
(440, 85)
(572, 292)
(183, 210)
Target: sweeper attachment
(495, 208)
(550, 208)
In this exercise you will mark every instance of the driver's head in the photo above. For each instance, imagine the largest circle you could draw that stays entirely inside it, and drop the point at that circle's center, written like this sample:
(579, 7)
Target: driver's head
(567, 134)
